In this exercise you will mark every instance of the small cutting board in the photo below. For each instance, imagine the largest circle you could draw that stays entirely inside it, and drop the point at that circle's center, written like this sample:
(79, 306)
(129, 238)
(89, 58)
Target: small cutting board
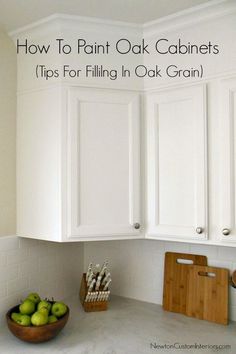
(176, 279)
(208, 293)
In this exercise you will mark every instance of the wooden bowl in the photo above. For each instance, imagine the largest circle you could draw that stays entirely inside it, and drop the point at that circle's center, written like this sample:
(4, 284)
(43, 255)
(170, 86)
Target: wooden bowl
(36, 334)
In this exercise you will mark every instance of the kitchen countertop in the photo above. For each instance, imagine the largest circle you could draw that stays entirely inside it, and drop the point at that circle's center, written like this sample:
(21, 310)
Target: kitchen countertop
(128, 327)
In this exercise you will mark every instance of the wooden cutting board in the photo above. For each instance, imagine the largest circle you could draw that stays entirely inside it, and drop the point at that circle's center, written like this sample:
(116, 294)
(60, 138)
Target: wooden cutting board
(176, 279)
(208, 293)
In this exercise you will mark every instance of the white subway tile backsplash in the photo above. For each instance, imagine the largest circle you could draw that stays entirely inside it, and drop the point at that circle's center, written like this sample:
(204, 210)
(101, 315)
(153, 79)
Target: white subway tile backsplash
(49, 289)
(27, 265)
(54, 270)
(210, 251)
(8, 302)
(159, 246)
(9, 243)
(27, 243)
(177, 247)
(17, 286)
(9, 273)
(220, 263)
(3, 259)
(227, 253)
(34, 284)
(233, 266)
(17, 256)
(3, 290)
(155, 247)
(233, 313)
(138, 265)
(46, 263)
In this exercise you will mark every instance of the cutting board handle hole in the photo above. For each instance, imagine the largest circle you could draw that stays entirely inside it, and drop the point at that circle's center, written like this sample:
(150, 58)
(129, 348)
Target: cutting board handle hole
(207, 274)
(184, 261)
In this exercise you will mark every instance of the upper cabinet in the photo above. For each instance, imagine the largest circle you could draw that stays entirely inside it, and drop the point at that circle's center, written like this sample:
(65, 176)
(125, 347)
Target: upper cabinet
(79, 171)
(103, 163)
(227, 138)
(177, 164)
(78, 164)
(84, 125)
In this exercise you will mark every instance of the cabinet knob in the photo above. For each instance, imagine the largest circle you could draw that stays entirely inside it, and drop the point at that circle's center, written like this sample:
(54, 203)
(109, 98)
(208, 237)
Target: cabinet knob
(137, 225)
(199, 230)
(226, 232)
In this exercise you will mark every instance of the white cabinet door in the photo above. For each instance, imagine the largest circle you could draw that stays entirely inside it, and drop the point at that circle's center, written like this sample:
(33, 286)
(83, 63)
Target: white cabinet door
(177, 164)
(227, 220)
(103, 164)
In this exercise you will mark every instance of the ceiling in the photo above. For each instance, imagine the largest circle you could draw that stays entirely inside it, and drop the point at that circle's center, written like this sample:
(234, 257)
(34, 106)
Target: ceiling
(17, 13)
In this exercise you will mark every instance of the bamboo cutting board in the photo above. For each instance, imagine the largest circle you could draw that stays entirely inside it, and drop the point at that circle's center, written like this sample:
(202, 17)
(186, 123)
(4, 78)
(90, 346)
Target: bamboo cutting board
(176, 279)
(208, 293)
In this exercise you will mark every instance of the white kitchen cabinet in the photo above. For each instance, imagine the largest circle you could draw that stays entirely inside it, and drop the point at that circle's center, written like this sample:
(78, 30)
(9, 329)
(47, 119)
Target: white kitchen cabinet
(177, 164)
(103, 163)
(227, 137)
(78, 173)
(79, 149)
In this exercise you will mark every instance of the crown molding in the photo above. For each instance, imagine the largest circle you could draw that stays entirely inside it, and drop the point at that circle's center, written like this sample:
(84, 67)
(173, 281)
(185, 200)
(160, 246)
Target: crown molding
(63, 21)
(211, 10)
(186, 18)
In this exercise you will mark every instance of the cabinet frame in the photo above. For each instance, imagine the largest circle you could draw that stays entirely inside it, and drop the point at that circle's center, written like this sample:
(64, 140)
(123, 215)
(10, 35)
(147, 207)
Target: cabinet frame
(172, 232)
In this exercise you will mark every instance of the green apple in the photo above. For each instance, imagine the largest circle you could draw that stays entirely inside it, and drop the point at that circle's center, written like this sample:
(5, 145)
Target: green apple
(39, 318)
(44, 303)
(23, 320)
(52, 319)
(59, 309)
(15, 316)
(27, 307)
(44, 310)
(34, 297)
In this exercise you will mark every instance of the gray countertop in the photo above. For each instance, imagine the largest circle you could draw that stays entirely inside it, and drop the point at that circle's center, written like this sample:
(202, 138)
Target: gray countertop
(128, 327)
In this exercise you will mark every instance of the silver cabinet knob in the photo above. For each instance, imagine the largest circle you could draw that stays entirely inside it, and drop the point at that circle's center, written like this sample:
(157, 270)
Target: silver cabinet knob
(225, 232)
(199, 230)
(137, 225)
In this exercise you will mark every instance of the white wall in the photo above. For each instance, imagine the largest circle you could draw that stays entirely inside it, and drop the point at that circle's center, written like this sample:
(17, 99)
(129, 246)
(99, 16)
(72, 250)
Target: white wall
(7, 135)
(138, 266)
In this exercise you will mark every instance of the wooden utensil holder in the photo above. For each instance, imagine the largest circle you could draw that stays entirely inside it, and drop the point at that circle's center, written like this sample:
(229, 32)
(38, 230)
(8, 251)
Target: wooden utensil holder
(90, 306)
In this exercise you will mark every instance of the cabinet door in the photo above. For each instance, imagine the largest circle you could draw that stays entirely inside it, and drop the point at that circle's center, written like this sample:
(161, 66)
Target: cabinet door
(227, 220)
(103, 164)
(177, 164)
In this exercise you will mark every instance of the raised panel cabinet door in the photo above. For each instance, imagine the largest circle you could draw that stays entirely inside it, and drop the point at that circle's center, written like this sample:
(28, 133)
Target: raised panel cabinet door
(177, 164)
(227, 203)
(103, 164)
